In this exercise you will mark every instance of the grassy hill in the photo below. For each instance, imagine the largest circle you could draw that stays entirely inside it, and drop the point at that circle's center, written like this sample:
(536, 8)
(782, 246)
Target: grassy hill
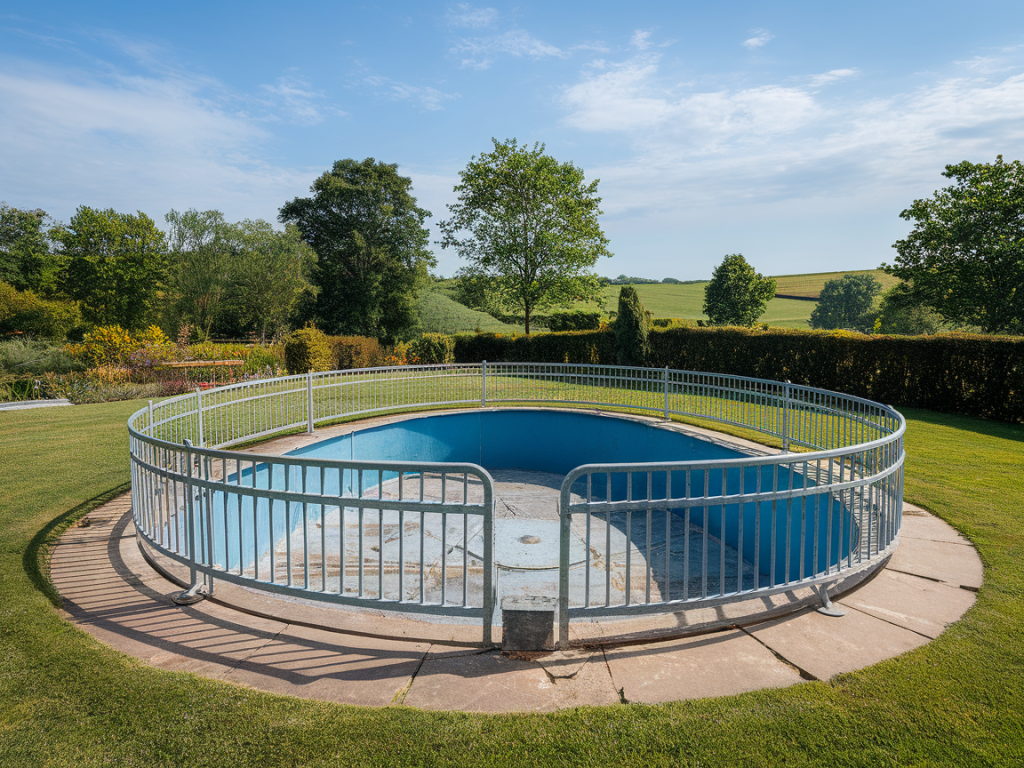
(809, 286)
(439, 313)
(686, 301)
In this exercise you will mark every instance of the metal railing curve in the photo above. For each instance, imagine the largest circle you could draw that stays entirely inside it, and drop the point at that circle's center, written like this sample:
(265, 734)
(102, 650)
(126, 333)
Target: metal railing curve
(659, 537)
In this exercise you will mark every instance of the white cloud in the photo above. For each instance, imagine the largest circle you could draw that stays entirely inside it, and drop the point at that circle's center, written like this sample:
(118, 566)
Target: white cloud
(147, 143)
(641, 39)
(831, 76)
(465, 15)
(428, 98)
(696, 152)
(479, 52)
(760, 37)
(296, 99)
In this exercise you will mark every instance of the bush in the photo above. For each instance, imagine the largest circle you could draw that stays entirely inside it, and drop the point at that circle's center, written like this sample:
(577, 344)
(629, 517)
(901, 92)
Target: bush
(23, 356)
(574, 321)
(354, 351)
(307, 349)
(433, 348)
(24, 312)
(672, 322)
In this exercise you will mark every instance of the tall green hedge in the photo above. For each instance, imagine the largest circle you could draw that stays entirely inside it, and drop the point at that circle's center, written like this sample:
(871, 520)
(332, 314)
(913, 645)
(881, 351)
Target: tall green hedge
(952, 373)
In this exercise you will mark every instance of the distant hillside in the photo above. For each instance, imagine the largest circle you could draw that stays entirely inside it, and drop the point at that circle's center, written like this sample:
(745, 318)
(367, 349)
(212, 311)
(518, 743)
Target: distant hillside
(808, 287)
(439, 313)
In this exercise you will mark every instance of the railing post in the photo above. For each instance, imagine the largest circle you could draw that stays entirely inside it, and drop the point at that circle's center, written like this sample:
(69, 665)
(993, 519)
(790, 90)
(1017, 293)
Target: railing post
(199, 401)
(785, 419)
(151, 418)
(197, 591)
(666, 393)
(309, 402)
(483, 389)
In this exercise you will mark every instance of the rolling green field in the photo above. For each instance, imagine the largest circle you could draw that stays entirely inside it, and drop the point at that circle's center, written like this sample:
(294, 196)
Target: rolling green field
(686, 301)
(68, 700)
(439, 313)
(809, 286)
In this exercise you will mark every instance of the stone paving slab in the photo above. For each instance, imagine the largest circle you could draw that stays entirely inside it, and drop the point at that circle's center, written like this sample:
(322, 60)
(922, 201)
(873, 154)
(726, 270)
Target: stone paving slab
(825, 646)
(953, 563)
(490, 682)
(919, 524)
(717, 664)
(112, 592)
(921, 605)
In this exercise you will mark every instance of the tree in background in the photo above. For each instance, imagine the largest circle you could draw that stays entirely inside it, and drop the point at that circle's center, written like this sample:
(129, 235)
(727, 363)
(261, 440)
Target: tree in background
(900, 314)
(965, 255)
(27, 260)
(846, 303)
(737, 295)
(631, 325)
(115, 264)
(367, 231)
(232, 279)
(530, 225)
(200, 266)
(269, 276)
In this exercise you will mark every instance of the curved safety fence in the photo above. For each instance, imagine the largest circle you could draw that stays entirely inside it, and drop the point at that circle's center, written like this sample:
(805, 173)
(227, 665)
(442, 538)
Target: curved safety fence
(419, 536)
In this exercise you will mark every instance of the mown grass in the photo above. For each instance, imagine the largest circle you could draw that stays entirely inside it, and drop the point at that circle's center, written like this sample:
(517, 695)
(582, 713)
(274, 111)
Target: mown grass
(439, 313)
(687, 301)
(66, 699)
(809, 286)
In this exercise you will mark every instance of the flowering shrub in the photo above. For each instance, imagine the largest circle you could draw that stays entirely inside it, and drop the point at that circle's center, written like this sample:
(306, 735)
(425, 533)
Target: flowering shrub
(399, 354)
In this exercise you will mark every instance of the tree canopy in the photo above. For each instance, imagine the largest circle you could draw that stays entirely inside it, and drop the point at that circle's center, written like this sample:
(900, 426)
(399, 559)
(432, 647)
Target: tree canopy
(371, 245)
(27, 260)
(115, 264)
(965, 255)
(529, 224)
(846, 303)
(737, 295)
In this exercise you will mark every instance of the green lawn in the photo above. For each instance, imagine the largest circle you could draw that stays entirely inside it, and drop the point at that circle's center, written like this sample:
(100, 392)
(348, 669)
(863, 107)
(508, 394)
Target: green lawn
(686, 301)
(67, 700)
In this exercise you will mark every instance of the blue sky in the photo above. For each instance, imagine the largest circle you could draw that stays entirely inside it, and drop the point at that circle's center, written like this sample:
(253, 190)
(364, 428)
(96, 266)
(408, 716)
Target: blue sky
(793, 133)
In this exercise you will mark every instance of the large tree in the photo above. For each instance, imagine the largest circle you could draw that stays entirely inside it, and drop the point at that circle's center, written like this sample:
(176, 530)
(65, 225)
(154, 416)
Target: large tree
(200, 266)
(115, 264)
(846, 303)
(965, 255)
(269, 276)
(530, 224)
(27, 260)
(737, 295)
(371, 247)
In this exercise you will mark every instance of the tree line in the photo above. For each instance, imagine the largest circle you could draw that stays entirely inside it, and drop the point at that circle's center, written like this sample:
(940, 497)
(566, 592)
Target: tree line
(353, 255)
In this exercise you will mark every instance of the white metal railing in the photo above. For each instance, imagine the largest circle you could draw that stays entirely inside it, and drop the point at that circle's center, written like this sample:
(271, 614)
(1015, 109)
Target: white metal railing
(741, 527)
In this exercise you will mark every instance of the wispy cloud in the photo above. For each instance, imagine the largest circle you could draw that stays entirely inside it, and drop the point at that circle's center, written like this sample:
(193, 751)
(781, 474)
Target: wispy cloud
(691, 147)
(831, 76)
(427, 97)
(465, 15)
(641, 39)
(139, 142)
(759, 39)
(296, 100)
(480, 52)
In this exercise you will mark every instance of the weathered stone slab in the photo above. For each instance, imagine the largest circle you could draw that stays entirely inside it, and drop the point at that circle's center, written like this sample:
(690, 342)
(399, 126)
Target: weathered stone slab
(824, 646)
(717, 664)
(953, 563)
(921, 605)
(490, 682)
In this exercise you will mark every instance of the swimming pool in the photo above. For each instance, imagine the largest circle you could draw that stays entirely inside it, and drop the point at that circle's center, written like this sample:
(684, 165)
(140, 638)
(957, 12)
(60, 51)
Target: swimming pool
(425, 513)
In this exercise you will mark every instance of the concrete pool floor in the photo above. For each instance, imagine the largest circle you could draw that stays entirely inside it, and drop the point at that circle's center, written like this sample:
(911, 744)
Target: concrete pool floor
(110, 591)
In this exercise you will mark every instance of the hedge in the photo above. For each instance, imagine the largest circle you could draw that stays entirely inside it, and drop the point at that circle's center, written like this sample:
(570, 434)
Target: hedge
(307, 349)
(952, 373)
(354, 351)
